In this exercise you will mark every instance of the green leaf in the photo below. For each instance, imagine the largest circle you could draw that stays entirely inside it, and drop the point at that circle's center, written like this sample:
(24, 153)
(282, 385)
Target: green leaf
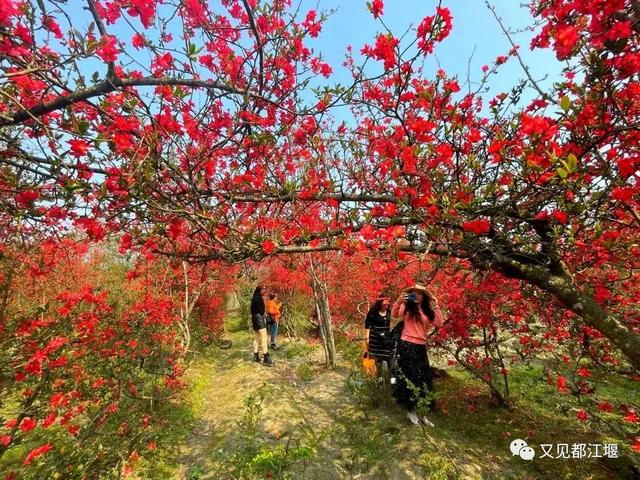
(562, 172)
(565, 103)
(572, 163)
(83, 127)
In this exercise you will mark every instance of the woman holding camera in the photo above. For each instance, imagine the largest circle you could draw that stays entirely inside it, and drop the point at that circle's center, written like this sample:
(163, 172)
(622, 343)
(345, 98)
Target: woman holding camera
(419, 310)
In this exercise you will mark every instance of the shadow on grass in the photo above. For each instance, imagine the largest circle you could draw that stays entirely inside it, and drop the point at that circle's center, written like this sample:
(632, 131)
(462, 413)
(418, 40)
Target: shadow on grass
(471, 438)
(477, 434)
(318, 424)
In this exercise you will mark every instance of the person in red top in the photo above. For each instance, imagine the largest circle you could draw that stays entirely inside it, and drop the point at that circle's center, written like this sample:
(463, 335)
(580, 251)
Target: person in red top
(419, 310)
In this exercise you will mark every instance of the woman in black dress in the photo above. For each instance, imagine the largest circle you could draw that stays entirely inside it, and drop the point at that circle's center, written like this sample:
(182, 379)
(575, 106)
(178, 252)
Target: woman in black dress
(259, 324)
(377, 331)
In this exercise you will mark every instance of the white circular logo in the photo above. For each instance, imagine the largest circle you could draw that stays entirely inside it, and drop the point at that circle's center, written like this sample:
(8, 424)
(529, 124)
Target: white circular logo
(519, 447)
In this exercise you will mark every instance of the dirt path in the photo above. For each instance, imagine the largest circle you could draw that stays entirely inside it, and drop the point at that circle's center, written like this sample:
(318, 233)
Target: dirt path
(301, 402)
(302, 421)
(305, 406)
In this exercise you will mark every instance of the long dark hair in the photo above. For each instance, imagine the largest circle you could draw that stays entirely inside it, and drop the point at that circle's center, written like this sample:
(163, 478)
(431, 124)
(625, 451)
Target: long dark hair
(413, 309)
(256, 292)
(377, 305)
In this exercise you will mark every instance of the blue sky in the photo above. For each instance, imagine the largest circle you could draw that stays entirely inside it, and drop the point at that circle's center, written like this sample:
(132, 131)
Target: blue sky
(473, 27)
(352, 24)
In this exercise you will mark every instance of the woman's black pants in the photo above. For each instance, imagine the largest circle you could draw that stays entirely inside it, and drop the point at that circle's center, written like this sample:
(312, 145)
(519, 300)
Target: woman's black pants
(416, 378)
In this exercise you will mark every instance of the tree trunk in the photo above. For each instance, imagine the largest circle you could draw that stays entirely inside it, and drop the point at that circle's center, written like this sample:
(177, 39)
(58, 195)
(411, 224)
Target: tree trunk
(324, 316)
(562, 287)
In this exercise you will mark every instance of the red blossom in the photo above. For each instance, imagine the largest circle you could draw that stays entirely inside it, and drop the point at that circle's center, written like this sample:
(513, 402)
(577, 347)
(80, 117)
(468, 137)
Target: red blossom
(376, 7)
(561, 217)
(566, 36)
(631, 417)
(162, 63)
(176, 228)
(108, 49)
(8, 9)
(479, 227)
(37, 452)
(623, 194)
(50, 24)
(311, 24)
(561, 384)
(138, 41)
(605, 407)
(269, 247)
(584, 373)
(79, 148)
(27, 197)
(384, 50)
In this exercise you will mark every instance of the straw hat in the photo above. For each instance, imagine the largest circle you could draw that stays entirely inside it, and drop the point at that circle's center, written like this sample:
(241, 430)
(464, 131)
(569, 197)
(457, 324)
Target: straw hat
(418, 287)
(421, 288)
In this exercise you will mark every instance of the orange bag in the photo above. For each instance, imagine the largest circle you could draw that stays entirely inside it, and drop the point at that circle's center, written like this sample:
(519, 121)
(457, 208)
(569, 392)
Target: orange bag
(368, 364)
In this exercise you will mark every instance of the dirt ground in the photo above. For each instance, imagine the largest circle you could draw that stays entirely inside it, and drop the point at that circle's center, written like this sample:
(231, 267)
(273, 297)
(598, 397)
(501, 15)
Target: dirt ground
(304, 404)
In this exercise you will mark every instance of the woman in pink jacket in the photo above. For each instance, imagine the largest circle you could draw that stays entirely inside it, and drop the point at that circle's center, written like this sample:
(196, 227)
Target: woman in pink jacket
(419, 310)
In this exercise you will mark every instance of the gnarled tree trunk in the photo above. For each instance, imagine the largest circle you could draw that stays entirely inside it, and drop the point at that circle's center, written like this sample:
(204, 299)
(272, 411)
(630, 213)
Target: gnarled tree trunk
(561, 286)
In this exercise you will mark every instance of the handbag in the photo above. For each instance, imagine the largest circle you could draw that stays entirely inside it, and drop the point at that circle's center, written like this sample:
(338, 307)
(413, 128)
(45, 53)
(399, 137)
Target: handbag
(368, 364)
(270, 319)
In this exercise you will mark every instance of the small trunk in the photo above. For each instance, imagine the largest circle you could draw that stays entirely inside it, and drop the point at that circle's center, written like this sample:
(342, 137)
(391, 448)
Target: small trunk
(324, 316)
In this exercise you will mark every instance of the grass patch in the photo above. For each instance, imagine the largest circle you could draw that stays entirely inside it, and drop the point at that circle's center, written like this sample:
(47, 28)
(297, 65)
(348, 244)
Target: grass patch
(472, 434)
(437, 468)
(236, 323)
(305, 372)
(351, 350)
(298, 349)
(256, 456)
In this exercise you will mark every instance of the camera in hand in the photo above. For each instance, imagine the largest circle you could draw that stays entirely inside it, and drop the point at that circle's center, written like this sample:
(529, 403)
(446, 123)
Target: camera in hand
(412, 297)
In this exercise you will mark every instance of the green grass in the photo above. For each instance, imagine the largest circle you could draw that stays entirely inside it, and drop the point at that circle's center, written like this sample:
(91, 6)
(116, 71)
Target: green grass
(357, 431)
(298, 349)
(180, 417)
(305, 372)
(437, 468)
(472, 434)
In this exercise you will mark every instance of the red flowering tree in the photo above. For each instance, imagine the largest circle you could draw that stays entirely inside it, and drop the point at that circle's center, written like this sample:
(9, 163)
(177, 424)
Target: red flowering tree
(211, 144)
(545, 192)
(90, 349)
(210, 141)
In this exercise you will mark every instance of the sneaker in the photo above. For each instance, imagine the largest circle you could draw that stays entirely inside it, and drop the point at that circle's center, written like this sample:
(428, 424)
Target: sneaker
(274, 347)
(413, 418)
(256, 357)
(267, 360)
(427, 422)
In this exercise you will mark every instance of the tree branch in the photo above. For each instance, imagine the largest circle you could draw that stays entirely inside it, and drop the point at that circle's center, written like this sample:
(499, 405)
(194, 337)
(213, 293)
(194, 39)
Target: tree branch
(111, 85)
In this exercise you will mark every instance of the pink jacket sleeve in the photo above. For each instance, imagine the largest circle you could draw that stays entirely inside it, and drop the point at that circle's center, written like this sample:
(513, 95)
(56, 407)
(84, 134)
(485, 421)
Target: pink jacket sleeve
(397, 310)
(438, 319)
